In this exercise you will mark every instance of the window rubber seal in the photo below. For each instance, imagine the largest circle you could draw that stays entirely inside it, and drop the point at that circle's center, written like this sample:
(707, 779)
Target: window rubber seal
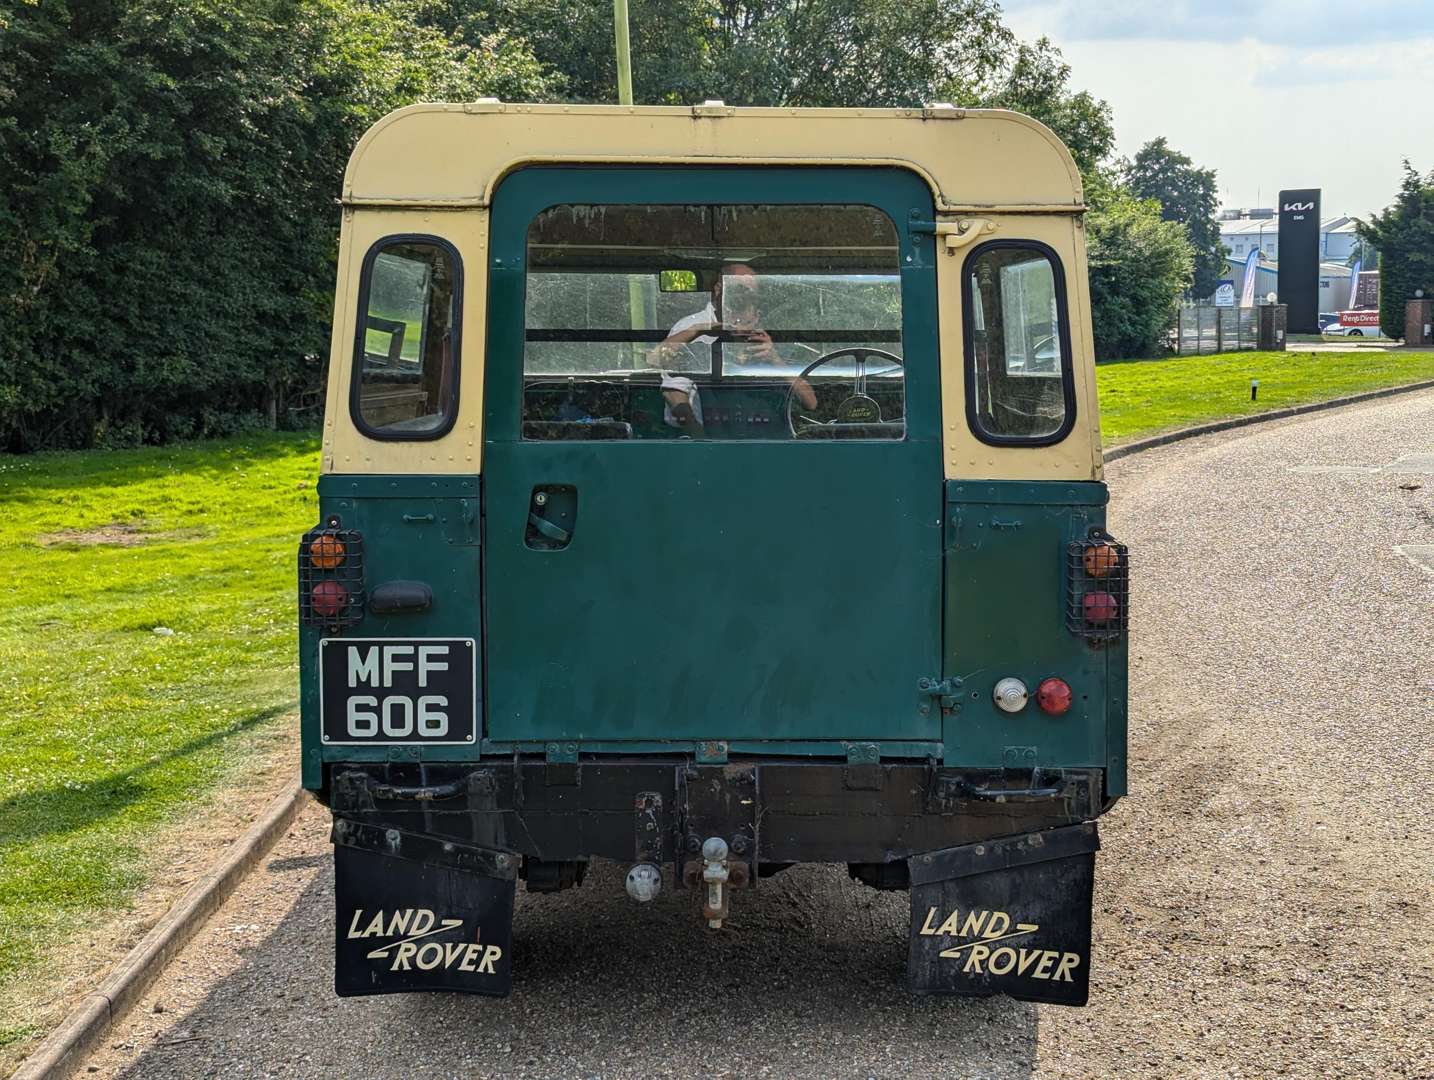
(968, 329)
(450, 403)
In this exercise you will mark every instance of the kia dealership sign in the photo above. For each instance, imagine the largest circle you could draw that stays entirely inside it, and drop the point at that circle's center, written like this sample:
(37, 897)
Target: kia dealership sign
(1299, 259)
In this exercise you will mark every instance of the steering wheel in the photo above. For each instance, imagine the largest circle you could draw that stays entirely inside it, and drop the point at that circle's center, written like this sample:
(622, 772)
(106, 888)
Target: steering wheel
(857, 410)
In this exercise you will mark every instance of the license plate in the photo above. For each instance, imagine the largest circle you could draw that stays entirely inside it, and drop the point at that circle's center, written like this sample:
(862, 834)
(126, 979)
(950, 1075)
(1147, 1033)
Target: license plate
(410, 691)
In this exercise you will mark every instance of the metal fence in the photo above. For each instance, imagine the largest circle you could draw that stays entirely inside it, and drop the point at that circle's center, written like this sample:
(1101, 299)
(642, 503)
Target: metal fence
(1207, 329)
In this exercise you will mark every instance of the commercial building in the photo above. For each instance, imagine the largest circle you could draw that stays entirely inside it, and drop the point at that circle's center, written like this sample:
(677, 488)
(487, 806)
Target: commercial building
(1243, 231)
(1334, 283)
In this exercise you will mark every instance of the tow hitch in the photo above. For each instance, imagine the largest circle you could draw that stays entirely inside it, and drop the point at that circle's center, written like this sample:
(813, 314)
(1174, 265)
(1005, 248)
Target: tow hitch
(719, 813)
(716, 876)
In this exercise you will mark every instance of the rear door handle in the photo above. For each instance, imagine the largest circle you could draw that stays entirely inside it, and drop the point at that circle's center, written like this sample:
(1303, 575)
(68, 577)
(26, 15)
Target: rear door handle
(548, 505)
(555, 533)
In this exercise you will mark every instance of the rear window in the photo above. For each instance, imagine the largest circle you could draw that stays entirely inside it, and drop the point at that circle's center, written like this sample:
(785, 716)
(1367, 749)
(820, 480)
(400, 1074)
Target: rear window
(713, 321)
(407, 348)
(1018, 366)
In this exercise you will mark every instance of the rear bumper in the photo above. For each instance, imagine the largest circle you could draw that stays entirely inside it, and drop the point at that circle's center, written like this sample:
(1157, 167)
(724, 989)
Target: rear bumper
(654, 810)
(999, 866)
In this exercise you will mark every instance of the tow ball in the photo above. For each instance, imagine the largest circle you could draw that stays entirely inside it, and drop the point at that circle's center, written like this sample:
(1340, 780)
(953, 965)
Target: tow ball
(716, 875)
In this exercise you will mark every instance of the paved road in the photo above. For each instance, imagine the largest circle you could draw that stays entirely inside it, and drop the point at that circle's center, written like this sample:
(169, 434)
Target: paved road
(1263, 900)
(1342, 344)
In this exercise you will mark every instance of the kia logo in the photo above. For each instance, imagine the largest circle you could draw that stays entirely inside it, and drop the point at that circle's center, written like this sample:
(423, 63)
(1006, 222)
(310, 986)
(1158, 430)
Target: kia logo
(1298, 206)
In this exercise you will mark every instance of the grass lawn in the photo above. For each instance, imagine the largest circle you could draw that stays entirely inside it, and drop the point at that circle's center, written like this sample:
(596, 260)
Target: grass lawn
(1140, 397)
(110, 729)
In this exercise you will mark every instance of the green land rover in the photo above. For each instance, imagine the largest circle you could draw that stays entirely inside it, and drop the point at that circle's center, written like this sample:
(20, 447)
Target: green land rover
(712, 490)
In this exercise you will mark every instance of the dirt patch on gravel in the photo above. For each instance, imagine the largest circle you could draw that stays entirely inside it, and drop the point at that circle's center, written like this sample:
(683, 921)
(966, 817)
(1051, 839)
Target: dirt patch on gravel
(182, 852)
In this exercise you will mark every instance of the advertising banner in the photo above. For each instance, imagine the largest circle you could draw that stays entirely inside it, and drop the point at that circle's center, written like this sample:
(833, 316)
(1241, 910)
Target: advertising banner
(1247, 292)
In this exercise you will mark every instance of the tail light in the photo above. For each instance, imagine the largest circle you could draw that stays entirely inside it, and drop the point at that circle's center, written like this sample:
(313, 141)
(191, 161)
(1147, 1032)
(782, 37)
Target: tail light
(327, 551)
(1054, 696)
(1010, 694)
(1097, 587)
(1100, 559)
(331, 590)
(1099, 608)
(328, 599)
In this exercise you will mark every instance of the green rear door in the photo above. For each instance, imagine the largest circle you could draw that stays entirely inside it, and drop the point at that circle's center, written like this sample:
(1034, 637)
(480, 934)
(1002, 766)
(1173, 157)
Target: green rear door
(687, 533)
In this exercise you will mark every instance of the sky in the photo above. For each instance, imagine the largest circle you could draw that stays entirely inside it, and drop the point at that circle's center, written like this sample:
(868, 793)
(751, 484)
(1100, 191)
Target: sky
(1309, 93)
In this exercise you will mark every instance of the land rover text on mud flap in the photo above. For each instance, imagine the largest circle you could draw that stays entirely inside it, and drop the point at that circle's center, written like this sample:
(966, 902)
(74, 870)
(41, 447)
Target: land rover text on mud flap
(712, 490)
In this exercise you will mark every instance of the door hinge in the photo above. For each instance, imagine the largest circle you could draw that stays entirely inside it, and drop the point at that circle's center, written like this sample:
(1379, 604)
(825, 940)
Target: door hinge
(712, 752)
(561, 753)
(863, 753)
(946, 692)
(561, 769)
(957, 234)
(863, 767)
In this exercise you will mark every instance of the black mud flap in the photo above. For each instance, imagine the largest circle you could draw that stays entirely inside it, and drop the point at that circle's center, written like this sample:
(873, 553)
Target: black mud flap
(415, 913)
(1008, 916)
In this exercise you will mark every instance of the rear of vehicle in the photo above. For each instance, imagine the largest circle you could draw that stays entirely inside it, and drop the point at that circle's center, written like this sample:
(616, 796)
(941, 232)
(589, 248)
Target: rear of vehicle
(712, 490)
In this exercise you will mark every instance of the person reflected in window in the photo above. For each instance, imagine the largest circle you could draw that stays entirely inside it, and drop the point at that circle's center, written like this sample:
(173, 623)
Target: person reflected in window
(734, 309)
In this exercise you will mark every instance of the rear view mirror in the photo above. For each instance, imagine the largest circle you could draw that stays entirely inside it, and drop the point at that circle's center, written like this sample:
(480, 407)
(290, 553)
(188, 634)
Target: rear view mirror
(677, 281)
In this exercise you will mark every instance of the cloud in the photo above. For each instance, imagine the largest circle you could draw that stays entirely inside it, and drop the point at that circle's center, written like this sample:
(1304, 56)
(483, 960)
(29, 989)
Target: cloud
(1299, 23)
(1320, 69)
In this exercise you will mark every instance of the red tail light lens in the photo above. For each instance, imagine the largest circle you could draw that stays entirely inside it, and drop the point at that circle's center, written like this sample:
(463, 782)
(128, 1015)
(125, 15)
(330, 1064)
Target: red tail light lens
(329, 599)
(1054, 696)
(1099, 607)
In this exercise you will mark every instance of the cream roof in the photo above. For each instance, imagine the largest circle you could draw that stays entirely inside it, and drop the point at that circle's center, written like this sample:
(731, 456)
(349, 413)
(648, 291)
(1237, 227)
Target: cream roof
(454, 154)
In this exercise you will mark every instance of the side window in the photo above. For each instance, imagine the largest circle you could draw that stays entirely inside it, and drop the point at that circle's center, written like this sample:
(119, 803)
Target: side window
(1019, 388)
(406, 376)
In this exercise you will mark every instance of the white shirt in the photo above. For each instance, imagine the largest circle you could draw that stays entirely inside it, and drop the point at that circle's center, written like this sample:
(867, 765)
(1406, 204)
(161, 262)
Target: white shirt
(689, 359)
(693, 361)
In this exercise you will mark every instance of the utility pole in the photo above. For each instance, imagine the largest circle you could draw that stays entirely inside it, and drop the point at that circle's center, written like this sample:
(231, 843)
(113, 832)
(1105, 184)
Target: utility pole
(624, 52)
(636, 305)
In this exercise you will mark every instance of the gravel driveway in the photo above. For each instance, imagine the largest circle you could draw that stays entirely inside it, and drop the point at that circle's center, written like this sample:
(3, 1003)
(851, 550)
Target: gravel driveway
(1265, 897)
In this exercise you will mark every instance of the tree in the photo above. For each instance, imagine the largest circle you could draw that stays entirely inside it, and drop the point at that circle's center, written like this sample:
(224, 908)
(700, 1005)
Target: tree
(1187, 195)
(1139, 265)
(168, 170)
(1403, 234)
(1035, 80)
(168, 167)
(756, 52)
